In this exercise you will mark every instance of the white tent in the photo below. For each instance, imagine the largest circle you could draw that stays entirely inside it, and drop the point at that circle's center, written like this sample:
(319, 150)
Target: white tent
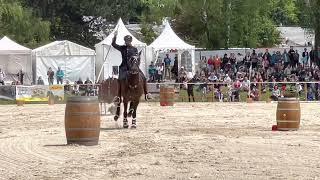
(14, 57)
(75, 60)
(110, 58)
(168, 40)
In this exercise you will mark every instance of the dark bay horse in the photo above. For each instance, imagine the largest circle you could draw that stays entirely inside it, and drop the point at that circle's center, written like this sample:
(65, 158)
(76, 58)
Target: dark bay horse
(131, 90)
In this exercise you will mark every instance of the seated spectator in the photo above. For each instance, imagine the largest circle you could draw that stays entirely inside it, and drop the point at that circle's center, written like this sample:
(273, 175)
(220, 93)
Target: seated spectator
(213, 78)
(275, 93)
(40, 81)
(246, 84)
(310, 95)
(254, 94)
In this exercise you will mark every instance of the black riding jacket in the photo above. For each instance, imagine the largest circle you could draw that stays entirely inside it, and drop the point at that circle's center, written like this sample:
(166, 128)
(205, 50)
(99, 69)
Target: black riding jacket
(126, 51)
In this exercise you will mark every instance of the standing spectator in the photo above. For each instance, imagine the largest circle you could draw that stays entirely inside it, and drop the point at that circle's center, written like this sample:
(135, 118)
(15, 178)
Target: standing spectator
(296, 58)
(175, 69)
(217, 64)
(312, 58)
(50, 75)
(89, 88)
(254, 59)
(60, 76)
(190, 86)
(167, 64)
(159, 69)
(267, 56)
(152, 72)
(305, 57)
(210, 64)
(40, 81)
(20, 76)
(2, 76)
(285, 57)
(291, 56)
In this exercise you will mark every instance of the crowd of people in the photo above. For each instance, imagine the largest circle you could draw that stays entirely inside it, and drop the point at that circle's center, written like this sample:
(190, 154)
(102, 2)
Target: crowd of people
(278, 68)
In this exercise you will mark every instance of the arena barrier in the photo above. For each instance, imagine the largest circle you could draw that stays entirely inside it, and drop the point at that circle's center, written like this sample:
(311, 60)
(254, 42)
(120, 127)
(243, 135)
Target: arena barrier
(203, 92)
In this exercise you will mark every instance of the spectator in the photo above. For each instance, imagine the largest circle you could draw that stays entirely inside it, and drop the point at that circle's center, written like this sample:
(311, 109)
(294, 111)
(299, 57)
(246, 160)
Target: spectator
(217, 64)
(152, 72)
(20, 75)
(2, 76)
(275, 93)
(285, 57)
(167, 64)
(159, 70)
(305, 57)
(50, 75)
(291, 56)
(210, 64)
(40, 81)
(190, 87)
(89, 87)
(175, 69)
(254, 94)
(246, 84)
(60, 76)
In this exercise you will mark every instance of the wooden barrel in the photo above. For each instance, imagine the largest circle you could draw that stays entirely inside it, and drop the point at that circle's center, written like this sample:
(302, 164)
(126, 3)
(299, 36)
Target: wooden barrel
(82, 120)
(288, 114)
(166, 96)
(20, 102)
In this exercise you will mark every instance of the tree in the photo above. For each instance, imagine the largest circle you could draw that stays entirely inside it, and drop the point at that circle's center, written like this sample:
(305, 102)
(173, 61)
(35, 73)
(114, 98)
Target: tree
(79, 21)
(21, 25)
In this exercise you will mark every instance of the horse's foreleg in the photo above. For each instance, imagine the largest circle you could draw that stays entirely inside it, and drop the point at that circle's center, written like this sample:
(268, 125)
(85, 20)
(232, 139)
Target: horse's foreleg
(134, 115)
(125, 119)
(131, 109)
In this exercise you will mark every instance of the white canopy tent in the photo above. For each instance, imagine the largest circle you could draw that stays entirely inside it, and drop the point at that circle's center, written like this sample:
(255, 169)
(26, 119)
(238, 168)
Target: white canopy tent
(167, 41)
(14, 57)
(75, 60)
(110, 58)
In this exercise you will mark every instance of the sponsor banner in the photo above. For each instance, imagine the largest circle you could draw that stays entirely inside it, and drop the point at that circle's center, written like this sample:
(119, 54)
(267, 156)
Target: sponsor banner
(7, 92)
(57, 91)
(32, 93)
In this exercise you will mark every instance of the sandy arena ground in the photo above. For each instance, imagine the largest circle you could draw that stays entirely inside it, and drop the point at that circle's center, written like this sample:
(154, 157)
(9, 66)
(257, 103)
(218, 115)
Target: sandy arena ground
(188, 141)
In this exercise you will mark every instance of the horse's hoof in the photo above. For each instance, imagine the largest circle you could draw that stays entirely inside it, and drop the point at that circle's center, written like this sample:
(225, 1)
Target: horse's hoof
(116, 118)
(125, 126)
(133, 126)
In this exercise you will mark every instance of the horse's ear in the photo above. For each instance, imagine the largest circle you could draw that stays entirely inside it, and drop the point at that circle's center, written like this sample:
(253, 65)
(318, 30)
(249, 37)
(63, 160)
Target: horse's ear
(140, 53)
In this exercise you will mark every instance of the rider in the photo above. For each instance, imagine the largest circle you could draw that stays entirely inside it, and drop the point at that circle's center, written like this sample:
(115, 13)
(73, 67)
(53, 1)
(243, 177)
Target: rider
(127, 51)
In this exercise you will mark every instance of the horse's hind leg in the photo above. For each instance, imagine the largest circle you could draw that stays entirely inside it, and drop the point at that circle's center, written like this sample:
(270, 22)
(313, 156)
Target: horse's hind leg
(116, 117)
(134, 115)
(125, 114)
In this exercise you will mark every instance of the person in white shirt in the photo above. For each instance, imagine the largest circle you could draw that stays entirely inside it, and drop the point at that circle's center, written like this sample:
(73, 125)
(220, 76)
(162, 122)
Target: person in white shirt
(2, 76)
(246, 84)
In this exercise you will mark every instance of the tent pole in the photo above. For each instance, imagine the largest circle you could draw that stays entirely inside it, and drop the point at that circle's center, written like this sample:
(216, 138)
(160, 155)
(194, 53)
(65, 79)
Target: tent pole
(105, 59)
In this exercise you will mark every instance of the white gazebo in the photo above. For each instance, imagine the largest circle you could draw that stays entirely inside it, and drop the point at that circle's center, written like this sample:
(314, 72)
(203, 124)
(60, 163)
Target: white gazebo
(168, 41)
(109, 59)
(75, 60)
(14, 57)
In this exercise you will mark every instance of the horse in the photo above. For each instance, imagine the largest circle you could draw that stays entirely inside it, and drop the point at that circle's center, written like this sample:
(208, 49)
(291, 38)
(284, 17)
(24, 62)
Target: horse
(131, 90)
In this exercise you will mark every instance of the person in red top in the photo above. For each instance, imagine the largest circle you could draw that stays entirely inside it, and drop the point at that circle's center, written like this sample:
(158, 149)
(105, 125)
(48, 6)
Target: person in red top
(217, 63)
(210, 64)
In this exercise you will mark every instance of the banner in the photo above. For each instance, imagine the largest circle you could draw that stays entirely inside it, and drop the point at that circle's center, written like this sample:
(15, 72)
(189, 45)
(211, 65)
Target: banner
(32, 93)
(57, 91)
(7, 92)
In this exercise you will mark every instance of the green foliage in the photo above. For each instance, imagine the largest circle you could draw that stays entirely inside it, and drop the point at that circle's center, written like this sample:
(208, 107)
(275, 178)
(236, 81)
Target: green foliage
(21, 25)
